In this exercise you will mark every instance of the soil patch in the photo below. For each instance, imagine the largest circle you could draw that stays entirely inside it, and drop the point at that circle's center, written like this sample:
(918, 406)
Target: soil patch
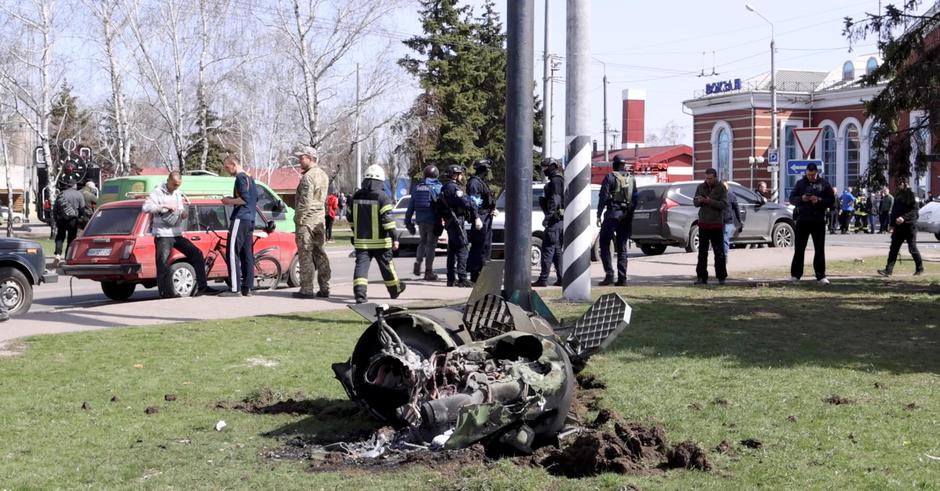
(268, 401)
(9, 349)
(837, 400)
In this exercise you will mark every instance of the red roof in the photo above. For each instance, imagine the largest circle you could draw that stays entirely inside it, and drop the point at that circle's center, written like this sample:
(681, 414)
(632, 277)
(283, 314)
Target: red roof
(652, 154)
(153, 171)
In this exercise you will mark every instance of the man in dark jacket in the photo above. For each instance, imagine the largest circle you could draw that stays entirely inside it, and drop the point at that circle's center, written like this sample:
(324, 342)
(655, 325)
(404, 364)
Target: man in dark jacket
(481, 199)
(422, 210)
(903, 221)
(553, 206)
(884, 211)
(67, 211)
(455, 210)
(711, 199)
(812, 196)
(374, 235)
(618, 197)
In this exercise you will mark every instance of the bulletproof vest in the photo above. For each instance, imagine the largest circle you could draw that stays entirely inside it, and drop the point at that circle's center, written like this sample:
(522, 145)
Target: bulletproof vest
(422, 197)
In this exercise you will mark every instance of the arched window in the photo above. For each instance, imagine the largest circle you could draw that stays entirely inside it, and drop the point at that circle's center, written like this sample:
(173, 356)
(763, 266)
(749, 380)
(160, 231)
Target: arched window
(871, 66)
(829, 154)
(848, 72)
(723, 154)
(852, 155)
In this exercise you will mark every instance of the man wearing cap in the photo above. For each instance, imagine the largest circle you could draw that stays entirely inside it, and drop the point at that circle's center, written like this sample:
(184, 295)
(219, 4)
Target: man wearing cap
(812, 196)
(481, 234)
(455, 207)
(310, 221)
(552, 203)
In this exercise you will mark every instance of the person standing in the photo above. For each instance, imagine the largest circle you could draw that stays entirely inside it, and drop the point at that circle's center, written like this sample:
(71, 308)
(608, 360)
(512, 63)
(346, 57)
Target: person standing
(374, 235)
(615, 204)
(244, 203)
(903, 221)
(90, 193)
(67, 211)
(847, 200)
(342, 204)
(812, 196)
(711, 199)
(732, 220)
(553, 206)
(422, 210)
(884, 211)
(833, 215)
(310, 217)
(455, 208)
(332, 205)
(481, 234)
(167, 223)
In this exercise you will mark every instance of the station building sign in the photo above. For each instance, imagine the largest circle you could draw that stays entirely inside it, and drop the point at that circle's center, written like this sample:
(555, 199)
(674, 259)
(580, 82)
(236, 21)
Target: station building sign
(723, 86)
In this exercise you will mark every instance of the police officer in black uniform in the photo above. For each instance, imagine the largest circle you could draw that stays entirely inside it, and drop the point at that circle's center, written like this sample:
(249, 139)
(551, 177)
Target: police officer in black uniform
(553, 206)
(617, 196)
(455, 209)
(481, 239)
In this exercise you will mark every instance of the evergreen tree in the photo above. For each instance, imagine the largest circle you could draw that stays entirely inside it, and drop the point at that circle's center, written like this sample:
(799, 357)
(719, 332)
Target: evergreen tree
(910, 72)
(217, 150)
(461, 115)
(69, 121)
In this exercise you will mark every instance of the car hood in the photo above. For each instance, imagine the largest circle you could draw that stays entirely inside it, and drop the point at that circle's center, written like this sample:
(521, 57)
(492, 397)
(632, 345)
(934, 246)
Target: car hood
(9, 244)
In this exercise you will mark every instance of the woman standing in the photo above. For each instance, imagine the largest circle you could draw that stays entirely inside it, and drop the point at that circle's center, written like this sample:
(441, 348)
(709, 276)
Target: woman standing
(332, 204)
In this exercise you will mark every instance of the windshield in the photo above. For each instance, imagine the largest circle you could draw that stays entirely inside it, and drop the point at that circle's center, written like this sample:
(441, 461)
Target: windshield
(113, 221)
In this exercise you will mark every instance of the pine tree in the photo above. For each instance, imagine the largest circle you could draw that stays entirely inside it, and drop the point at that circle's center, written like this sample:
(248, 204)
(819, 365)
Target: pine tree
(69, 121)
(911, 67)
(217, 150)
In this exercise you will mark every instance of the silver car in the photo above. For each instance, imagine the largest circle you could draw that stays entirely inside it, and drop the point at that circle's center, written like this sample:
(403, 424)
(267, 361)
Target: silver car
(407, 239)
(929, 219)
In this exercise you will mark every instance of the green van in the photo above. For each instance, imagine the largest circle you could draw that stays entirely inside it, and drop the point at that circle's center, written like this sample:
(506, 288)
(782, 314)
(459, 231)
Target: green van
(130, 187)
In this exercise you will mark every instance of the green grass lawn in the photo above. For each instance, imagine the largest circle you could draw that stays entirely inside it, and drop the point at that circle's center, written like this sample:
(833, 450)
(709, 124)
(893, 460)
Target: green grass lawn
(707, 364)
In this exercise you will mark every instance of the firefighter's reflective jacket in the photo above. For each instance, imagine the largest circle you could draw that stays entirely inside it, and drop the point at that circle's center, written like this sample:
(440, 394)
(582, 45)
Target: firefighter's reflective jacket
(370, 217)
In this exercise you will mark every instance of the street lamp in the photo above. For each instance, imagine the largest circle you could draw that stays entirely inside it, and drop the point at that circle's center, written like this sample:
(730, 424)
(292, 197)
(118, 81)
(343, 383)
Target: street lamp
(773, 96)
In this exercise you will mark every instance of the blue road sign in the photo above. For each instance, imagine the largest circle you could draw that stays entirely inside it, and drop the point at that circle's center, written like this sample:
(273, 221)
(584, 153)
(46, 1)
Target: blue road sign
(798, 167)
(772, 158)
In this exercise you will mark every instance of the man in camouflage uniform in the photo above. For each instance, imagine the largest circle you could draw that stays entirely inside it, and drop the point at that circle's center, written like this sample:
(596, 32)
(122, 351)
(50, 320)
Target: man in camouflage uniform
(310, 218)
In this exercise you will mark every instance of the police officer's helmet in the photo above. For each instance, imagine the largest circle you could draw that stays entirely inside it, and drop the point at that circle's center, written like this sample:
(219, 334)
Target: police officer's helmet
(430, 171)
(455, 170)
(619, 163)
(482, 165)
(550, 165)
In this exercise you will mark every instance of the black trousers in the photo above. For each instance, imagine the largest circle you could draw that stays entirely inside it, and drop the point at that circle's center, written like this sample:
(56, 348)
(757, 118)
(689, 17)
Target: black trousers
(481, 246)
(194, 257)
(616, 229)
(883, 221)
(457, 252)
(714, 237)
(844, 218)
(805, 230)
(832, 218)
(383, 257)
(66, 230)
(329, 227)
(900, 235)
(241, 255)
(552, 248)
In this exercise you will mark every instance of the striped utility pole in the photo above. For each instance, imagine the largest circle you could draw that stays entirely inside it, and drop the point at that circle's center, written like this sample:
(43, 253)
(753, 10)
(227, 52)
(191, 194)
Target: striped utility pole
(576, 260)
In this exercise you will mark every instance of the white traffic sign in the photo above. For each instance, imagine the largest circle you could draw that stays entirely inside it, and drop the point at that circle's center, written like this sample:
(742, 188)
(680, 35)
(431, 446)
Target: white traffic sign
(806, 138)
(772, 156)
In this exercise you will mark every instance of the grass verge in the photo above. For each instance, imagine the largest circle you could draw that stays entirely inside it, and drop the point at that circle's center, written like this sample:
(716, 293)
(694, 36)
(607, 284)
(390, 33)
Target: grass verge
(708, 364)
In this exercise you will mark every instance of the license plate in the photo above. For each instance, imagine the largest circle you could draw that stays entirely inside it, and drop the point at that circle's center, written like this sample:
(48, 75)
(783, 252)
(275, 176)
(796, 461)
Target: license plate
(641, 215)
(100, 252)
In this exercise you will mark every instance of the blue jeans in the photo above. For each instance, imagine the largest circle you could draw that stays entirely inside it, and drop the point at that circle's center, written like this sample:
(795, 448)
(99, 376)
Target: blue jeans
(729, 232)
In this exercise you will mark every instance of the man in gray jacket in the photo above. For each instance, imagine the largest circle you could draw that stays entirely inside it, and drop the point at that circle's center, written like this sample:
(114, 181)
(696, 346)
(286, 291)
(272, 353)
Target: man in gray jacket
(168, 221)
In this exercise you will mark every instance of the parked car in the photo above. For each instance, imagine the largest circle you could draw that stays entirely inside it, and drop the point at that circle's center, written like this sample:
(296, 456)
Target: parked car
(406, 239)
(929, 219)
(22, 265)
(538, 190)
(665, 216)
(117, 248)
(18, 217)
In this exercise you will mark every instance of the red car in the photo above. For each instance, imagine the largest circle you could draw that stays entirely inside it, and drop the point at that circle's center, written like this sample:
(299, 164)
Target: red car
(117, 249)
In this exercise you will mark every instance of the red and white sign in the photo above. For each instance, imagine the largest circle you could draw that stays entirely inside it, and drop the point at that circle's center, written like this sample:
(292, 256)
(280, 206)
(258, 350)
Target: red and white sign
(806, 138)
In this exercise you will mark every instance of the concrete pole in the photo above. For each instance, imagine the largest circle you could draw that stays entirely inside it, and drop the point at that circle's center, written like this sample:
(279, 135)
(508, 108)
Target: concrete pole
(606, 154)
(358, 150)
(576, 259)
(520, 28)
(773, 117)
(546, 91)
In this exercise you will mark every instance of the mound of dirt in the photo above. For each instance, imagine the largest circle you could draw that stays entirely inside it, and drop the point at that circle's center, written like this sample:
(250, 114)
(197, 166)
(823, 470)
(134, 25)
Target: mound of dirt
(837, 400)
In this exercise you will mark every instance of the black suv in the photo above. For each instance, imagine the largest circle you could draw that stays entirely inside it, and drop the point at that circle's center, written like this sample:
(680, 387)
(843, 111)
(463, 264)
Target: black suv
(665, 216)
(22, 265)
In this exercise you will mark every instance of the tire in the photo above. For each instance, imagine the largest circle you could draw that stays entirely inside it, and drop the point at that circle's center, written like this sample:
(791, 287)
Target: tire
(16, 292)
(182, 280)
(293, 273)
(17, 220)
(937, 235)
(535, 257)
(782, 235)
(653, 249)
(267, 273)
(692, 244)
(118, 291)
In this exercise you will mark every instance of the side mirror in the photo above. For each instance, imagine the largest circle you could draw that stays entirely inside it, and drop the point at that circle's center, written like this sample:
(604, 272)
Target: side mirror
(270, 226)
(279, 206)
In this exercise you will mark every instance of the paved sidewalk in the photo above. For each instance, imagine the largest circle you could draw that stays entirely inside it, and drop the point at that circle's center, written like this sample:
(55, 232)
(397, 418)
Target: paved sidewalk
(676, 268)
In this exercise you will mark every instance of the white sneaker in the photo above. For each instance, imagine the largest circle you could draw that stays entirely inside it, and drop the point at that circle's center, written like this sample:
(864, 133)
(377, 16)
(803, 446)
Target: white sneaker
(823, 281)
(794, 279)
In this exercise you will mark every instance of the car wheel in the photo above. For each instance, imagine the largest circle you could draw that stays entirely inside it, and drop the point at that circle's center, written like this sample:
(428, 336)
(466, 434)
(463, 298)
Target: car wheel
(782, 235)
(293, 273)
(653, 249)
(692, 244)
(16, 292)
(536, 256)
(183, 279)
(17, 220)
(118, 291)
(937, 235)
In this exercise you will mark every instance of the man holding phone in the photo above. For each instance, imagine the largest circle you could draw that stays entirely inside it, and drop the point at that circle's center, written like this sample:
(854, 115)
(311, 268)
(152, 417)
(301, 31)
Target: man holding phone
(812, 196)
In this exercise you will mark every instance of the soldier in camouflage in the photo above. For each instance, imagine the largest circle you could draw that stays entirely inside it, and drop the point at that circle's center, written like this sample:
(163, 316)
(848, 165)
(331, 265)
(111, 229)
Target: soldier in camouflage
(310, 218)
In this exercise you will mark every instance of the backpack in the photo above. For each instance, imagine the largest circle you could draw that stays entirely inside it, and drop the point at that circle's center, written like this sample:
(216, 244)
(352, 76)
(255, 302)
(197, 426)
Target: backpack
(63, 208)
(623, 188)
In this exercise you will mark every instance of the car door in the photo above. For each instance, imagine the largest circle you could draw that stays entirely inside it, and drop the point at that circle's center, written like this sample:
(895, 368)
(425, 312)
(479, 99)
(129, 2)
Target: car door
(756, 220)
(214, 218)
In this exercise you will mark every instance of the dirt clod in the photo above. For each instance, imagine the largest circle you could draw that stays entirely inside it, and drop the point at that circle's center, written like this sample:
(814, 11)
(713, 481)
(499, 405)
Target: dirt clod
(695, 406)
(752, 443)
(169, 397)
(589, 382)
(86, 406)
(688, 455)
(838, 400)
(152, 410)
(879, 385)
(115, 399)
(910, 407)
(791, 418)
(722, 402)
(724, 447)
